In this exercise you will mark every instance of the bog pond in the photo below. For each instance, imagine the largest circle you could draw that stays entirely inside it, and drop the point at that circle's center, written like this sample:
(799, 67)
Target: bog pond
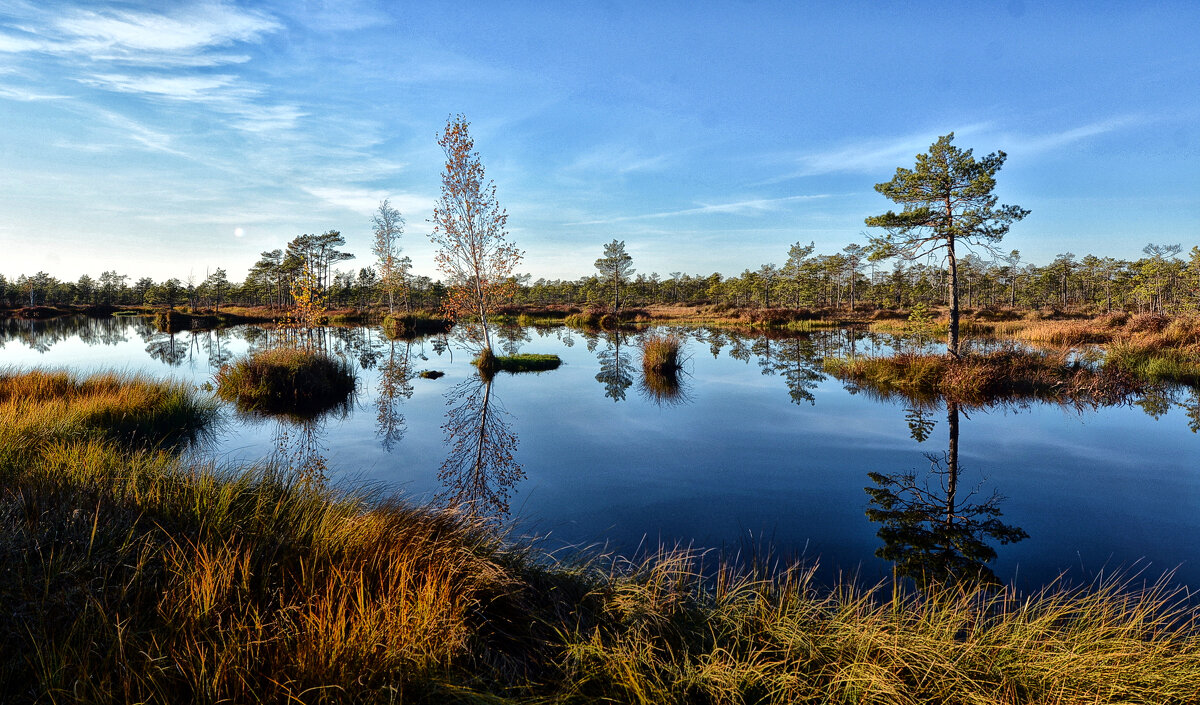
(751, 451)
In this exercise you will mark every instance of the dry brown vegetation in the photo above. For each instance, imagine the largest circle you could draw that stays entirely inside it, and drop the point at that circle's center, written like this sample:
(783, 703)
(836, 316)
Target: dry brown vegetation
(1005, 374)
(133, 576)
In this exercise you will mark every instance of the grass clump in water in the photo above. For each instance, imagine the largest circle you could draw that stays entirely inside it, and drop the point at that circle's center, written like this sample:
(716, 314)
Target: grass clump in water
(660, 354)
(490, 363)
(287, 380)
(414, 324)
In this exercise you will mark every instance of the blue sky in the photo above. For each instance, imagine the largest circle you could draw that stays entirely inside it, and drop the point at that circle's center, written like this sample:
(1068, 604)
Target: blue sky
(168, 139)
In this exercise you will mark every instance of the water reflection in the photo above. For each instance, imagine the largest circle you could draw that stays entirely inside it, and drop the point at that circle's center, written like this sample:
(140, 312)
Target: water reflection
(165, 348)
(929, 532)
(616, 368)
(480, 469)
(395, 384)
(300, 447)
(664, 388)
(42, 335)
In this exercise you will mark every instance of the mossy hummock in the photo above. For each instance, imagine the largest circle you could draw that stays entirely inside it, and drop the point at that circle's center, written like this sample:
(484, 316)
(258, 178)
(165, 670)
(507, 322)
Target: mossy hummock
(294, 381)
(489, 363)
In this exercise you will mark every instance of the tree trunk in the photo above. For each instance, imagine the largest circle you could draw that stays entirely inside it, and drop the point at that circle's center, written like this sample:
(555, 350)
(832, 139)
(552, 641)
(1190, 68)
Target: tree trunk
(952, 340)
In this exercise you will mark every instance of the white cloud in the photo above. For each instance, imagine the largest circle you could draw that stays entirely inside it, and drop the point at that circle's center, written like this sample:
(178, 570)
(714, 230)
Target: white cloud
(148, 138)
(748, 207)
(1033, 144)
(871, 156)
(174, 87)
(881, 156)
(172, 41)
(365, 201)
(339, 15)
(26, 95)
(193, 29)
(618, 160)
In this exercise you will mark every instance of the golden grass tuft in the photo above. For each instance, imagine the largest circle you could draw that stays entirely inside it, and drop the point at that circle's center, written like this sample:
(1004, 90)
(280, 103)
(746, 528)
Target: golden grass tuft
(660, 353)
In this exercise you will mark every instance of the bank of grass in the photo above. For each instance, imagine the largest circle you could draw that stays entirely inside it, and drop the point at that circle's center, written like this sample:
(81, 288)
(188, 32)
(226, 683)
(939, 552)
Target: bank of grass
(1006, 374)
(174, 321)
(59, 406)
(400, 325)
(287, 380)
(490, 363)
(1150, 346)
(133, 576)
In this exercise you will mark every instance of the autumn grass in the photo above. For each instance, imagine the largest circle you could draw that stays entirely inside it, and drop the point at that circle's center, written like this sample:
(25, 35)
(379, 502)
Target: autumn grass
(660, 353)
(1006, 374)
(1150, 346)
(133, 576)
(43, 406)
(287, 380)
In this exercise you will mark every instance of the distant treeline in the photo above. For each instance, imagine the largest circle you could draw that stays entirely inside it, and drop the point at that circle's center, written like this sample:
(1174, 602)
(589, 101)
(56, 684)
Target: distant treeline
(1161, 281)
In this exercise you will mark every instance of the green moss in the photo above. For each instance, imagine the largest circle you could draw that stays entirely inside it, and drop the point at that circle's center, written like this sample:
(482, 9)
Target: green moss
(489, 363)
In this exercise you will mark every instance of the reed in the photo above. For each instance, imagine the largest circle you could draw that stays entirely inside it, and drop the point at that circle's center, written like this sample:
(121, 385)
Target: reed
(660, 354)
(57, 406)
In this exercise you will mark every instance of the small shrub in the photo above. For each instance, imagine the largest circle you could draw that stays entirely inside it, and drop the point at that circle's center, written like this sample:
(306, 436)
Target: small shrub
(38, 312)
(171, 321)
(1148, 323)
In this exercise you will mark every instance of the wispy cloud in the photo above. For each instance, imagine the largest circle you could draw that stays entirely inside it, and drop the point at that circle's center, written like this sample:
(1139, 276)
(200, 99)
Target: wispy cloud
(27, 95)
(1035, 144)
(150, 139)
(868, 156)
(175, 42)
(338, 15)
(616, 160)
(175, 87)
(882, 155)
(364, 201)
(132, 34)
(749, 207)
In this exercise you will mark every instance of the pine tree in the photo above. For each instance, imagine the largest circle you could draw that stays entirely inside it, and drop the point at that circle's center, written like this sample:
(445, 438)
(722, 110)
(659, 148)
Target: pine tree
(947, 199)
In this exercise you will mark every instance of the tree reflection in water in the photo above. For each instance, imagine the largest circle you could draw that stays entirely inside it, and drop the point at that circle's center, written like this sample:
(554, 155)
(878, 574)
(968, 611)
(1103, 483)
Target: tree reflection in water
(481, 468)
(300, 447)
(929, 532)
(217, 349)
(166, 349)
(395, 383)
(616, 369)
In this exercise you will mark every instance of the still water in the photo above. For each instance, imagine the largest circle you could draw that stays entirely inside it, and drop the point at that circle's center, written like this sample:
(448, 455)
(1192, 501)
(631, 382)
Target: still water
(751, 449)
